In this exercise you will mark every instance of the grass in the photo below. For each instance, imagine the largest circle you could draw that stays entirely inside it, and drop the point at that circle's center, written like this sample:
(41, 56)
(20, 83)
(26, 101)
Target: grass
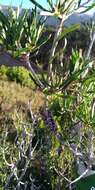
(14, 114)
(13, 94)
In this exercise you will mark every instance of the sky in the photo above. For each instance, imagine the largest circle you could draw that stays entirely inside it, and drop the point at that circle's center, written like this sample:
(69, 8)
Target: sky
(28, 4)
(25, 4)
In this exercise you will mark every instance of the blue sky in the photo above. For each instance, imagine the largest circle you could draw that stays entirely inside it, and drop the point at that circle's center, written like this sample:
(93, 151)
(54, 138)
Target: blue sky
(26, 3)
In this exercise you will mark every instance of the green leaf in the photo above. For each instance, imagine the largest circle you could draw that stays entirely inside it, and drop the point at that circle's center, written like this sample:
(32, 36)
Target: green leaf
(88, 8)
(79, 3)
(73, 77)
(69, 7)
(50, 3)
(38, 5)
(69, 30)
(4, 20)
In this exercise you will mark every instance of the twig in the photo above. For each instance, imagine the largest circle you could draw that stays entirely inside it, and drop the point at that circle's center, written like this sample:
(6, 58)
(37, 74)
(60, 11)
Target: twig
(80, 177)
(62, 174)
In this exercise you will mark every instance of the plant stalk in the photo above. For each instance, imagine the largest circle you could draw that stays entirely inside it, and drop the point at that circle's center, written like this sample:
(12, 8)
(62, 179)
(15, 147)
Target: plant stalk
(54, 46)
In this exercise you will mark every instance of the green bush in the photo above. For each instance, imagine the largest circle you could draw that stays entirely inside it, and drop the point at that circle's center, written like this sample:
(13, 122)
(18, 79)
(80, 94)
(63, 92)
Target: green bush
(17, 74)
(3, 70)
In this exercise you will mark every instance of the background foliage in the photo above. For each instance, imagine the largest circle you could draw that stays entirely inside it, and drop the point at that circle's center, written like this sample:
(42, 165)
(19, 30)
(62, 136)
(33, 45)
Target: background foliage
(44, 146)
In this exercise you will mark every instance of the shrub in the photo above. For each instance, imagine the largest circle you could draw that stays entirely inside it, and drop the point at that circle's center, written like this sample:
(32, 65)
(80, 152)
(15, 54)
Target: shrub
(3, 70)
(63, 128)
(17, 74)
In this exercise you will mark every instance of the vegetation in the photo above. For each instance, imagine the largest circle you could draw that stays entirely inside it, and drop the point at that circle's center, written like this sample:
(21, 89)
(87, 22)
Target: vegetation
(17, 74)
(20, 33)
(47, 136)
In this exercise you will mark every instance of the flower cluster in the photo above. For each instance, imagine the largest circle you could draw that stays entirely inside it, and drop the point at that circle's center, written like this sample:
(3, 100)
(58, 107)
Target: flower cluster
(50, 123)
(48, 119)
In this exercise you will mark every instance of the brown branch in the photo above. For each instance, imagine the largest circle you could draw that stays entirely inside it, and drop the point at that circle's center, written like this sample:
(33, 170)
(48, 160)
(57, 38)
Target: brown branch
(6, 59)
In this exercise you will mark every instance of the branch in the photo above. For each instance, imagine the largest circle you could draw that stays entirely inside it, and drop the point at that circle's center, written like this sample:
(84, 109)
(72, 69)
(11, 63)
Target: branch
(80, 177)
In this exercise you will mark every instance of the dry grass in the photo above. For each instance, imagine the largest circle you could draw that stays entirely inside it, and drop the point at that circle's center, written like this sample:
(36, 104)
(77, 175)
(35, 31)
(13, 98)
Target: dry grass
(13, 95)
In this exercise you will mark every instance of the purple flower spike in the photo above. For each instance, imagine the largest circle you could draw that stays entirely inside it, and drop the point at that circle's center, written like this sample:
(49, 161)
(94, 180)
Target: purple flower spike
(48, 119)
(59, 136)
(59, 150)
